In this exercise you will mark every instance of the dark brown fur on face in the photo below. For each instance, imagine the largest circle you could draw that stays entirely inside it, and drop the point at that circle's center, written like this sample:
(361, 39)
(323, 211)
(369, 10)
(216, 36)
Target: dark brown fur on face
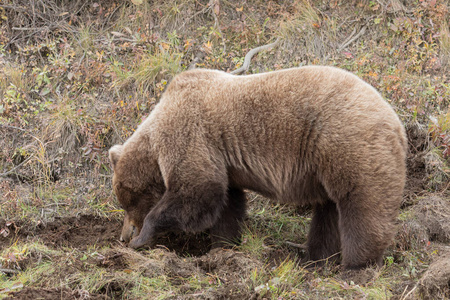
(311, 135)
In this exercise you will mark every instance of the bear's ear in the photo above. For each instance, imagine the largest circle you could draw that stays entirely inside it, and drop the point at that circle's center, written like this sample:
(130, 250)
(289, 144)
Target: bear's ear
(114, 154)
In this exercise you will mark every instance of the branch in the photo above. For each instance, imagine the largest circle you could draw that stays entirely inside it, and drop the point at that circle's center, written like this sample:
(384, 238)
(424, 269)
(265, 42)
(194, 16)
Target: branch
(349, 40)
(30, 157)
(23, 130)
(299, 246)
(250, 55)
(198, 57)
(16, 167)
(216, 23)
(9, 271)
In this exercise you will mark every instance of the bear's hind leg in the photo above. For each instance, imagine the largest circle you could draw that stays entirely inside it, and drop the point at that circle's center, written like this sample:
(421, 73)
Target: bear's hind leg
(227, 229)
(323, 239)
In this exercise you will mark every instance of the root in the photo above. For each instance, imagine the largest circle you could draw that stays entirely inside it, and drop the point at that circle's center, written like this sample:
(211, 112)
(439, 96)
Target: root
(9, 271)
(299, 246)
(250, 55)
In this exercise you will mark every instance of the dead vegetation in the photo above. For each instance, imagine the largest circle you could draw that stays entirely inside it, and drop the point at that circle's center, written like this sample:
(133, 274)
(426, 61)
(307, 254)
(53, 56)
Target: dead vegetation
(78, 76)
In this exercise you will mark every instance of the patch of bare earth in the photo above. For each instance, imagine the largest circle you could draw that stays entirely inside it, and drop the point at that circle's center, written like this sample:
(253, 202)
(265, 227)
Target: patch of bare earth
(433, 213)
(186, 244)
(75, 232)
(435, 282)
(416, 181)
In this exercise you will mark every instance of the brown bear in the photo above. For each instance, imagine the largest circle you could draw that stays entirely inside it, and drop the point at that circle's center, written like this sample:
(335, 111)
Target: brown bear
(311, 135)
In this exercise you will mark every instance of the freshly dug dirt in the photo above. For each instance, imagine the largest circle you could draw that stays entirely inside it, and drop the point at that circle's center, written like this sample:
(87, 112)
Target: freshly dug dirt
(186, 244)
(87, 230)
(113, 260)
(433, 213)
(226, 263)
(416, 164)
(76, 232)
(429, 221)
(233, 269)
(435, 282)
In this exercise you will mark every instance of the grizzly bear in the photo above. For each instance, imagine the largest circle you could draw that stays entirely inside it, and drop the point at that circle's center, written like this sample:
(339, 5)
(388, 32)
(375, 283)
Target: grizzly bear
(310, 135)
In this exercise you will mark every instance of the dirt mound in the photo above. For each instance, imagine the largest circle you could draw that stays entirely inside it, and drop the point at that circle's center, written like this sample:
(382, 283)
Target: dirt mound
(416, 164)
(435, 282)
(227, 262)
(428, 221)
(76, 232)
(112, 260)
(57, 294)
(433, 213)
(426, 169)
(233, 269)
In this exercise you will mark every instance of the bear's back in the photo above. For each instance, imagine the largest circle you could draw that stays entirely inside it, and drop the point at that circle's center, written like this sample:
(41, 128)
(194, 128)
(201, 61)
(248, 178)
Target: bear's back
(275, 128)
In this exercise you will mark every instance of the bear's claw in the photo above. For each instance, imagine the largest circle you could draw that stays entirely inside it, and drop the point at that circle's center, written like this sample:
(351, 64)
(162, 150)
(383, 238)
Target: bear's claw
(136, 243)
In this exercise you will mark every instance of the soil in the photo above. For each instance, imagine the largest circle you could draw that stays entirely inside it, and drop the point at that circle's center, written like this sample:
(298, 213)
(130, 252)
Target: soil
(87, 230)
(435, 283)
(76, 232)
(416, 163)
(186, 244)
(433, 214)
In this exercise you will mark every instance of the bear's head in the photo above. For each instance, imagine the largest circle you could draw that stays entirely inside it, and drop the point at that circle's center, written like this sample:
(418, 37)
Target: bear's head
(138, 185)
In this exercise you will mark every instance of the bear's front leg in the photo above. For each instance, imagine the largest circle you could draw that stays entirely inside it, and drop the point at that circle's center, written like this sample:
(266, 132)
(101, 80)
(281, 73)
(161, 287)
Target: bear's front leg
(193, 209)
(226, 231)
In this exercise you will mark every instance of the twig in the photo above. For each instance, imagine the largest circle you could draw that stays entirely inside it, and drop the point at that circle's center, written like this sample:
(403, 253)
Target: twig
(349, 36)
(28, 28)
(198, 57)
(323, 259)
(23, 130)
(56, 204)
(109, 17)
(351, 40)
(16, 167)
(114, 256)
(216, 23)
(300, 246)
(25, 161)
(409, 293)
(122, 39)
(250, 55)
(9, 271)
(114, 123)
(105, 175)
(404, 291)
(444, 189)
(204, 10)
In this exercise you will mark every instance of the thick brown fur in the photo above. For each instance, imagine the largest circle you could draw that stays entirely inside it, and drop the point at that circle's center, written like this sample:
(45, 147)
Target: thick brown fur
(311, 135)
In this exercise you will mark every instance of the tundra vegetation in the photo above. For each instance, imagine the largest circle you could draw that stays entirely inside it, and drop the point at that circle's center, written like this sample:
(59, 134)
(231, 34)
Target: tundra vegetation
(77, 77)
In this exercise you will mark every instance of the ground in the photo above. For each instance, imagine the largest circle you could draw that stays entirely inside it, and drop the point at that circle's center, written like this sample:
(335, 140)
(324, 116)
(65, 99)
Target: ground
(77, 77)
